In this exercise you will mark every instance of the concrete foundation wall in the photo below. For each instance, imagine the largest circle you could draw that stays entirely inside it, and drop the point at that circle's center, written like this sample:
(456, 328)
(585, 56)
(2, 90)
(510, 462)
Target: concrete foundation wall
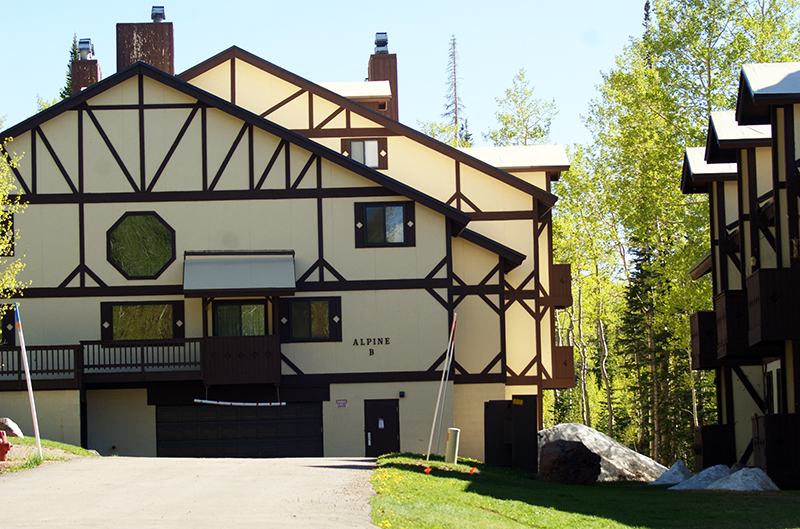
(120, 422)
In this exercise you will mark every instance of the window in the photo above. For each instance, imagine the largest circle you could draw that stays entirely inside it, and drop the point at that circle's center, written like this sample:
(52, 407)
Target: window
(142, 321)
(141, 245)
(371, 152)
(240, 318)
(384, 224)
(311, 320)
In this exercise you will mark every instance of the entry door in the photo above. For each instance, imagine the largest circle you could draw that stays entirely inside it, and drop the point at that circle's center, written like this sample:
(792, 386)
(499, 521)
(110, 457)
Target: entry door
(382, 426)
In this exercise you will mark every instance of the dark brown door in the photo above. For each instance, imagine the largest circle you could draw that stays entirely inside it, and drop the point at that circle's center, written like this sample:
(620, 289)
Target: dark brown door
(382, 426)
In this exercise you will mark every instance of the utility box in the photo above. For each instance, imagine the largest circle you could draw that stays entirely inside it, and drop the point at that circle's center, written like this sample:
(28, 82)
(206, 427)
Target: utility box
(510, 433)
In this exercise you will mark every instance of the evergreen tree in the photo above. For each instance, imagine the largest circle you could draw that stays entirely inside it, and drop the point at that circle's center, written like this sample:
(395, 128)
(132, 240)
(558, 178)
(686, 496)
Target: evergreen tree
(73, 56)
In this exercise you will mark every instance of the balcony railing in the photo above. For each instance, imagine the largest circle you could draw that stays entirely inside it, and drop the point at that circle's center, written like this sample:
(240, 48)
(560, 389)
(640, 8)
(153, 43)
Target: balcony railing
(51, 367)
(563, 374)
(215, 360)
(732, 317)
(703, 327)
(561, 286)
(773, 310)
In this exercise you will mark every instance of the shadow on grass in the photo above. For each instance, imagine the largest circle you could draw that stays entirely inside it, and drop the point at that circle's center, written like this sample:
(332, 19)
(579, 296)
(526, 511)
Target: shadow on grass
(630, 503)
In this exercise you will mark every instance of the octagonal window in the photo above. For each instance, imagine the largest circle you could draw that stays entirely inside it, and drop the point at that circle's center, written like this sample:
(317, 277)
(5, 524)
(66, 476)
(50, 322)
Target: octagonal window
(141, 245)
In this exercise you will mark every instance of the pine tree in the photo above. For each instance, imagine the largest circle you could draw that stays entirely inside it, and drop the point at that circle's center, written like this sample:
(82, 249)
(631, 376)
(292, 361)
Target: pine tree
(73, 56)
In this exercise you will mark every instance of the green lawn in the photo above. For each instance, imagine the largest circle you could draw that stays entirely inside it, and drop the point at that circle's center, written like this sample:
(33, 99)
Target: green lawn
(490, 497)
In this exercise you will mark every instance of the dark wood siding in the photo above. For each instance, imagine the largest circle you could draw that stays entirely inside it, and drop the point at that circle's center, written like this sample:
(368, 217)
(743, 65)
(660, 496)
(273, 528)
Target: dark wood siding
(294, 430)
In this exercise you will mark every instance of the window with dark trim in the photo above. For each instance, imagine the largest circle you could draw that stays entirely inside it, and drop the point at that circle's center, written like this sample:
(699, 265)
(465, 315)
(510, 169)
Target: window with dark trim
(311, 320)
(241, 318)
(372, 152)
(141, 245)
(384, 224)
(162, 320)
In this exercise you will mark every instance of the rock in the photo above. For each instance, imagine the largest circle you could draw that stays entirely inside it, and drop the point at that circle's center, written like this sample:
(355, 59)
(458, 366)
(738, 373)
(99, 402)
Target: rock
(745, 479)
(703, 479)
(617, 461)
(676, 473)
(568, 462)
(10, 427)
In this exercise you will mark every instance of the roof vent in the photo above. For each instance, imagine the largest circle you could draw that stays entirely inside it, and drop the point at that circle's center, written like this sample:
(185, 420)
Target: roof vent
(85, 49)
(157, 14)
(381, 43)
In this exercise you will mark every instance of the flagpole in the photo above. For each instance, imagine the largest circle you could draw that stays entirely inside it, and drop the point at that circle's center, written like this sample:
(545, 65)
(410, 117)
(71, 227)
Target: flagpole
(24, 354)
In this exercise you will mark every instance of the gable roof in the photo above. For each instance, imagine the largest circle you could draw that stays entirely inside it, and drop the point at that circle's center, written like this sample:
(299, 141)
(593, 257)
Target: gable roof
(725, 135)
(457, 218)
(697, 173)
(398, 128)
(765, 84)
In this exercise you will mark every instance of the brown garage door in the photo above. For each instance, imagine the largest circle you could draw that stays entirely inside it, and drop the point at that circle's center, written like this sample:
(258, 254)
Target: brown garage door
(294, 430)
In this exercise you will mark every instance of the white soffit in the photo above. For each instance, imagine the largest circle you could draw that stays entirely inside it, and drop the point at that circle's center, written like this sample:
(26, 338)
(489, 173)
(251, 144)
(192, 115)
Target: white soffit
(727, 129)
(699, 167)
(766, 79)
(251, 273)
(522, 158)
(363, 90)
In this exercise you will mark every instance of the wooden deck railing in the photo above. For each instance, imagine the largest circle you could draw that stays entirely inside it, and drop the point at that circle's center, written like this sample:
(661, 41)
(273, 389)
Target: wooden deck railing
(215, 360)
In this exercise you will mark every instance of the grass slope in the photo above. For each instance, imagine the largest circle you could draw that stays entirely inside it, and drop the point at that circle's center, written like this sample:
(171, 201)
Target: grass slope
(31, 441)
(490, 497)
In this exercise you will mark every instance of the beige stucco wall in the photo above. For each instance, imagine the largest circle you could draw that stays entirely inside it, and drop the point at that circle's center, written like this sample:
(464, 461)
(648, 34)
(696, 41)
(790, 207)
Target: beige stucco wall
(744, 408)
(121, 418)
(468, 414)
(58, 412)
(344, 427)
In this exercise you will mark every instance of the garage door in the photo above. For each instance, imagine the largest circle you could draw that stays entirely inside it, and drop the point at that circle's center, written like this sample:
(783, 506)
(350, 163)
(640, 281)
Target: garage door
(294, 430)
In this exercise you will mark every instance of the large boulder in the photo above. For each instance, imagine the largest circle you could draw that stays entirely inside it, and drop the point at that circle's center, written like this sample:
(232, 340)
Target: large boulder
(568, 462)
(10, 427)
(676, 473)
(703, 479)
(617, 461)
(745, 479)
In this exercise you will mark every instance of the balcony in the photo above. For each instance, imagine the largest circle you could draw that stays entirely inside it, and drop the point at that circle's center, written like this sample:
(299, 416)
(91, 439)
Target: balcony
(560, 286)
(714, 445)
(214, 360)
(773, 310)
(703, 326)
(563, 373)
(732, 325)
(776, 447)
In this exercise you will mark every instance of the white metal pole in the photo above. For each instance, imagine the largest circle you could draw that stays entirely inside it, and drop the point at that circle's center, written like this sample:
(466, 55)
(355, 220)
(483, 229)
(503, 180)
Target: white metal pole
(24, 355)
(441, 385)
(448, 364)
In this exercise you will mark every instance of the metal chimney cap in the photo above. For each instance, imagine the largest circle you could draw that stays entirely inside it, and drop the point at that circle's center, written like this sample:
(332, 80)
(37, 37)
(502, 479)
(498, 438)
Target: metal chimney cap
(381, 42)
(85, 49)
(157, 14)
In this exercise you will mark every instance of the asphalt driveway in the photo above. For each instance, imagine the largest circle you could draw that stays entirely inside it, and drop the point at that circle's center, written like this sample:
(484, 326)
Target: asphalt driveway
(193, 493)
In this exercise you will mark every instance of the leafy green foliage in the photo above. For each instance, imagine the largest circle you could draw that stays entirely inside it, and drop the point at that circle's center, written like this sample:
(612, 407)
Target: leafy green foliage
(10, 205)
(523, 119)
(631, 235)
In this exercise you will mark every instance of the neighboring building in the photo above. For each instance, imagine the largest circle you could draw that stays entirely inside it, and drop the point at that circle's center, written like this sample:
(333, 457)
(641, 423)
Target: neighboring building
(237, 233)
(749, 172)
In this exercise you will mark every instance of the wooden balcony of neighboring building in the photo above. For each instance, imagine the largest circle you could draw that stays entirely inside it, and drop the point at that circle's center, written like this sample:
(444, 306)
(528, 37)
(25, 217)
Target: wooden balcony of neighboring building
(773, 310)
(563, 375)
(561, 286)
(732, 317)
(214, 360)
(776, 447)
(714, 445)
(703, 325)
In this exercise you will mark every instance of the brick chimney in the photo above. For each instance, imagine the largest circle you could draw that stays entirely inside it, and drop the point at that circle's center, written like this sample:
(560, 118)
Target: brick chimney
(84, 71)
(383, 67)
(152, 43)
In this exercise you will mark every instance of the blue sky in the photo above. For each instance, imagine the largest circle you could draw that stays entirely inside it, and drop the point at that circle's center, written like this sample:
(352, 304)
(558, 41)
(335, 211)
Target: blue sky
(564, 47)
